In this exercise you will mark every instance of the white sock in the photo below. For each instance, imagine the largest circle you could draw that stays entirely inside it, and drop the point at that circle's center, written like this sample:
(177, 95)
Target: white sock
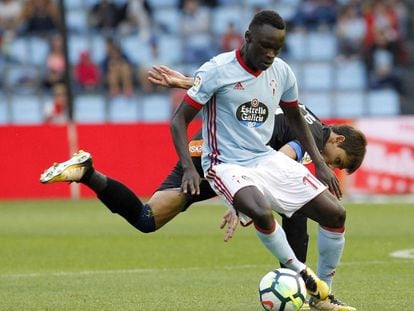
(276, 242)
(330, 247)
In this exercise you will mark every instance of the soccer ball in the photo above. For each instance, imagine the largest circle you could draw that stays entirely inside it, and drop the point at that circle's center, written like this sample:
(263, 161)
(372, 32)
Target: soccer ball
(283, 290)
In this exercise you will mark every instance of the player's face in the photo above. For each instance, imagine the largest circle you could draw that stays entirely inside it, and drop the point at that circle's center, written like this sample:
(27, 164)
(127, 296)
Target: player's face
(334, 156)
(264, 43)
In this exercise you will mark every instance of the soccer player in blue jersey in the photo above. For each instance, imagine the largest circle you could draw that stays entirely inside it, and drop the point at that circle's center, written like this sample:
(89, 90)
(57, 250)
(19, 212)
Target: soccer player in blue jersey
(238, 93)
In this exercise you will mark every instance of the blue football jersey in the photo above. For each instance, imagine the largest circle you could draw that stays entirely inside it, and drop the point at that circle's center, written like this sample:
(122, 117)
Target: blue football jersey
(239, 106)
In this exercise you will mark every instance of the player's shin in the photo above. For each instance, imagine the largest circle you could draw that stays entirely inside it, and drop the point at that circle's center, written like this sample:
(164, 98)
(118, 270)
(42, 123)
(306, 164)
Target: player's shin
(330, 247)
(121, 200)
(276, 242)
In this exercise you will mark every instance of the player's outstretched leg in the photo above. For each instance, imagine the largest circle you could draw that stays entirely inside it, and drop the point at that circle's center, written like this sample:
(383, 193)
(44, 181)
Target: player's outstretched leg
(329, 304)
(117, 197)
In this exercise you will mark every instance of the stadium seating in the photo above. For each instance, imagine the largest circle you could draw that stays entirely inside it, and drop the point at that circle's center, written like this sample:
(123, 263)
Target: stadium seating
(22, 78)
(39, 49)
(18, 50)
(350, 75)
(26, 109)
(296, 46)
(77, 20)
(350, 104)
(319, 102)
(97, 48)
(168, 19)
(90, 108)
(157, 4)
(317, 76)
(155, 108)
(334, 88)
(384, 103)
(137, 51)
(321, 46)
(4, 110)
(170, 49)
(222, 16)
(123, 109)
(76, 45)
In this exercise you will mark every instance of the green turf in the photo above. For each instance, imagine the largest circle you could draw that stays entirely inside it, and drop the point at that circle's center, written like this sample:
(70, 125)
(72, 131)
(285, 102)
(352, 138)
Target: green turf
(63, 255)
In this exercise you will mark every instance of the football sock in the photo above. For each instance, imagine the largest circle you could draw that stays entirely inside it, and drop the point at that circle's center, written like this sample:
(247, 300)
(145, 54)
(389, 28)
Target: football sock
(296, 230)
(94, 180)
(330, 246)
(276, 242)
(121, 200)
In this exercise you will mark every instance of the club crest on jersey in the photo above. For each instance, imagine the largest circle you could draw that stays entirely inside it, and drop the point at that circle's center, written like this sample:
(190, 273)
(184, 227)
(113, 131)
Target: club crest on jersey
(253, 113)
(196, 85)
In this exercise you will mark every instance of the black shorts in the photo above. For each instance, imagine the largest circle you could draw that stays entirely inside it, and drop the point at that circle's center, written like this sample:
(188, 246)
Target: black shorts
(174, 179)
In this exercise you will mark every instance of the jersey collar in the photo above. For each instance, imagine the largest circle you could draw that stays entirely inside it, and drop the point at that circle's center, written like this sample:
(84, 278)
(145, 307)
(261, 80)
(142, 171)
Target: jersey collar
(255, 73)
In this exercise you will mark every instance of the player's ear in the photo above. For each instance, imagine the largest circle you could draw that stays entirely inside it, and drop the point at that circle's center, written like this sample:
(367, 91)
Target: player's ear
(247, 36)
(339, 139)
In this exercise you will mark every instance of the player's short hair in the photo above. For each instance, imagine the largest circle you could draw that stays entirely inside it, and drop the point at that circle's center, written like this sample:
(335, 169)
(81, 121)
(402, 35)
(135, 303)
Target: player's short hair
(355, 145)
(267, 17)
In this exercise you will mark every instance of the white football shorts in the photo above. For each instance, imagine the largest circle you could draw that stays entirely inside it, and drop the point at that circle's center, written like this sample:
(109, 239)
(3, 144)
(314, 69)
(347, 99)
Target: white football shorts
(285, 183)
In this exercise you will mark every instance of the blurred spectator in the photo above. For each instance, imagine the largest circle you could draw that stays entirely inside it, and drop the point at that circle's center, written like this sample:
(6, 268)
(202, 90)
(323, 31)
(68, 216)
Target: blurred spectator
(350, 31)
(40, 17)
(231, 39)
(10, 12)
(56, 110)
(155, 59)
(117, 70)
(209, 3)
(401, 11)
(384, 52)
(195, 28)
(382, 70)
(105, 16)
(55, 62)
(137, 17)
(87, 75)
(315, 15)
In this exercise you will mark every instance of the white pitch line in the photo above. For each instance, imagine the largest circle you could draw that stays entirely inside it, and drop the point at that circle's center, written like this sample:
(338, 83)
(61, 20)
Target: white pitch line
(403, 253)
(152, 270)
(122, 271)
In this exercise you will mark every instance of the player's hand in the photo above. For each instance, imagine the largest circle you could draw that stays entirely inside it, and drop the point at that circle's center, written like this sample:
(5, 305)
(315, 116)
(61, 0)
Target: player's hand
(191, 182)
(328, 177)
(166, 77)
(231, 220)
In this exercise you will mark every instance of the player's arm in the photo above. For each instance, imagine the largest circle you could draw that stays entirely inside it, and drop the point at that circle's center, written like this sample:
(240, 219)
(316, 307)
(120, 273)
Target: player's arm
(289, 151)
(167, 77)
(179, 125)
(304, 135)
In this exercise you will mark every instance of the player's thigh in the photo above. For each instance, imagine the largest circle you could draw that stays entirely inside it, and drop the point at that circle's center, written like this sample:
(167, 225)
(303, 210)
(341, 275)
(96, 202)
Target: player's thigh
(326, 210)
(251, 201)
(166, 204)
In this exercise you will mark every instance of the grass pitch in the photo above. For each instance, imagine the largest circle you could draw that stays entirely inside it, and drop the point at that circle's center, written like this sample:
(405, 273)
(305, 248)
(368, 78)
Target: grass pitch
(64, 255)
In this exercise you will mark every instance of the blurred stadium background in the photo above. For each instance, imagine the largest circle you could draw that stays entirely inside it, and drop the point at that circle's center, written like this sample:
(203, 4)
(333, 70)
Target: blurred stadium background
(353, 60)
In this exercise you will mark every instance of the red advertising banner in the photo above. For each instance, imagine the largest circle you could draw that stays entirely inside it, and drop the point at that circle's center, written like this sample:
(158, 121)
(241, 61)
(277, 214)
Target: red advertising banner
(388, 167)
(141, 156)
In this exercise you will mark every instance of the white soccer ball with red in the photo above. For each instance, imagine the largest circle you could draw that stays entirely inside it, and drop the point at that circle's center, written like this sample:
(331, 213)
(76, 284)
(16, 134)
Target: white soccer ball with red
(283, 290)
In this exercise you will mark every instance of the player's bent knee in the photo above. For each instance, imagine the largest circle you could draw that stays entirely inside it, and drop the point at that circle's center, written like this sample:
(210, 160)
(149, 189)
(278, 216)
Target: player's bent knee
(260, 212)
(145, 222)
(338, 221)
